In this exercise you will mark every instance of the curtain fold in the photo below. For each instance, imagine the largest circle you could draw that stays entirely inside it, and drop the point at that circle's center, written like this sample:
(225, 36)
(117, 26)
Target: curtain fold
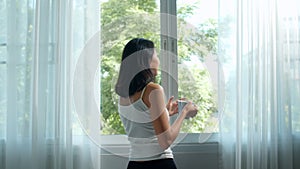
(41, 43)
(259, 53)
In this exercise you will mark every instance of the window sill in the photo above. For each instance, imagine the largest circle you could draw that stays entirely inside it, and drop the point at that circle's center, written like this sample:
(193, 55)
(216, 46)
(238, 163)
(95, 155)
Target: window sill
(185, 143)
(196, 138)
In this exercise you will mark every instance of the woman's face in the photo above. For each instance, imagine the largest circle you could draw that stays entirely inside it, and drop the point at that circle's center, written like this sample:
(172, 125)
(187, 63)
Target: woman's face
(154, 64)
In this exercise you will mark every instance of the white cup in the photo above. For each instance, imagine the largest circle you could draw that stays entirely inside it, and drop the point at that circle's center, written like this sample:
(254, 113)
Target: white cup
(181, 104)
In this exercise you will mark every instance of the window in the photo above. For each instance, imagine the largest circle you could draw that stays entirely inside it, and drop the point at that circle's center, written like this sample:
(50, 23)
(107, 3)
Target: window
(173, 36)
(196, 68)
(39, 41)
(2, 88)
(120, 21)
(289, 45)
(17, 69)
(2, 68)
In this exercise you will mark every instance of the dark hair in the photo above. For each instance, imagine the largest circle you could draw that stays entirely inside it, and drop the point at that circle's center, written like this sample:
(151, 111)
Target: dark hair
(135, 72)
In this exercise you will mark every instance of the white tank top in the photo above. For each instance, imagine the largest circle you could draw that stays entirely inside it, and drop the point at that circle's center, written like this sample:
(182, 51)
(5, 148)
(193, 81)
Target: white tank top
(141, 135)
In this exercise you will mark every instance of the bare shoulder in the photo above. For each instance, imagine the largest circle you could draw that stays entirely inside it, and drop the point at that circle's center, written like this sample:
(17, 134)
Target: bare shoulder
(154, 86)
(149, 89)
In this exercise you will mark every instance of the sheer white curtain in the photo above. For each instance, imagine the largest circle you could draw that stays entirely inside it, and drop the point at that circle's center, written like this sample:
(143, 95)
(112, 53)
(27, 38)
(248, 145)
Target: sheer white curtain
(259, 51)
(41, 43)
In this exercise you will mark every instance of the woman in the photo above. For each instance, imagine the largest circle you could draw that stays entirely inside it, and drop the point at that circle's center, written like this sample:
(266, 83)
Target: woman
(143, 110)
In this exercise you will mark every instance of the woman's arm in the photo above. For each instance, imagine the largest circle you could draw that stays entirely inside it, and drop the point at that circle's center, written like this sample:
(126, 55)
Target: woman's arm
(166, 133)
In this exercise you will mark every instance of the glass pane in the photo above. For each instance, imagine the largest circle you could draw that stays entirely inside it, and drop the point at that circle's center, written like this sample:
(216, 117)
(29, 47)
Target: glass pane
(294, 73)
(51, 96)
(3, 103)
(197, 69)
(3, 40)
(120, 22)
(3, 54)
(23, 74)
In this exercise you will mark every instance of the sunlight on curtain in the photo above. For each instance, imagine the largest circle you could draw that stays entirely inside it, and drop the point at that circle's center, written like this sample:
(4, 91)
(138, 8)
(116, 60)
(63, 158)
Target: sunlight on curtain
(260, 55)
(41, 44)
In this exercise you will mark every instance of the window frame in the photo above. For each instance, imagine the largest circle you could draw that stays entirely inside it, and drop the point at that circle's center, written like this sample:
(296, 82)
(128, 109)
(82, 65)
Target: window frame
(169, 55)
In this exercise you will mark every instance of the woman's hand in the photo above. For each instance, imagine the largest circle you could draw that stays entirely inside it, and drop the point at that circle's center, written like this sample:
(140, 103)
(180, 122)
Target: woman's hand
(190, 109)
(172, 106)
